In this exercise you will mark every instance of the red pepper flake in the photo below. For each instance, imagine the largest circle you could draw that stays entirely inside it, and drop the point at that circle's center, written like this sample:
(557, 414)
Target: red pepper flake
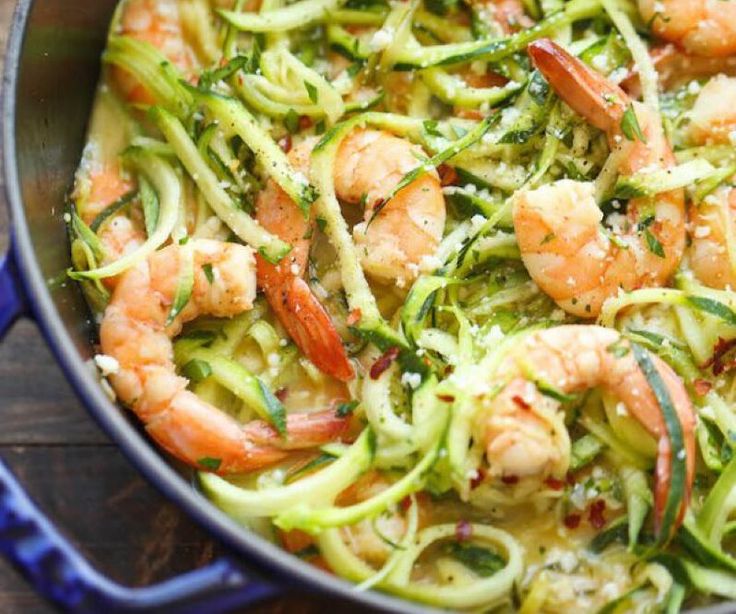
(449, 370)
(480, 475)
(405, 503)
(570, 479)
(554, 483)
(354, 316)
(281, 394)
(595, 514)
(384, 362)
(446, 398)
(702, 387)
(285, 143)
(463, 531)
(305, 122)
(719, 361)
(448, 175)
(520, 402)
(572, 521)
(510, 479)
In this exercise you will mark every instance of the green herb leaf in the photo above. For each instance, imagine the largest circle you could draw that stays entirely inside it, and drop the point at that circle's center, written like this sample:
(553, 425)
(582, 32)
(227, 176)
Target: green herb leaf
(430, 127)
(482, 561)
(345, 409)
(149, 204)
(211, 464)
(630, 126)
(312, 92)
(321, 223)
(211, 77)
(468, 139)
(185, 285)
(196, 370)
(207, 269)
(653, 244)
(274, 407)
(291, 121)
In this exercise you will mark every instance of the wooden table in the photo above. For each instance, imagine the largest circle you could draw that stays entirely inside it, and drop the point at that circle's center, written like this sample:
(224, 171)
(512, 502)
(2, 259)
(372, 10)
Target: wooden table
(80, 479)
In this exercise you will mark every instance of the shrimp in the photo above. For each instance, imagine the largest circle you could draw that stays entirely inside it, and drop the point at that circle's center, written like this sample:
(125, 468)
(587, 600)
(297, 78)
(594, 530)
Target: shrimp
(393, 248)
(675, 67)
(700, 27)
(294, 304)
(510, 15)
(123, 232)
(713, 121)
(558, 226)
(514, 424)
(158, 23)
(135, 334)
(371, 539)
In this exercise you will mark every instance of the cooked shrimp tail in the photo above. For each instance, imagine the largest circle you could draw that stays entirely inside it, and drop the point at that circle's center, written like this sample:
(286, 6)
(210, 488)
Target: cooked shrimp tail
(290, 297)
(589, 94)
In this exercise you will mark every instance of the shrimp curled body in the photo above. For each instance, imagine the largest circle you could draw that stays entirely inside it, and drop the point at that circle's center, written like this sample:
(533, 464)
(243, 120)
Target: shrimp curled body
(559, 225)
(135, 334)
(392, 247)
(515, 427)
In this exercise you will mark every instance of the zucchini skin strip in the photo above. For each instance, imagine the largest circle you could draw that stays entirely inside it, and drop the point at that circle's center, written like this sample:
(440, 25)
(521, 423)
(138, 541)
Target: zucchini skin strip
(242, 224)
(167, 185)
(234, 118)
(666, 520)
(290, 17)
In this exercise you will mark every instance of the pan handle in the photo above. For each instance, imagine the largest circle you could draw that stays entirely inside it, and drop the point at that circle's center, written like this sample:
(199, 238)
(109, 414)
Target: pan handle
(59, 572)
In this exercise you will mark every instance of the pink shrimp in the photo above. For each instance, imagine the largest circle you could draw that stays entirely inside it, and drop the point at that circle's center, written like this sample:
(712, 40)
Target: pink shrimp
(521, 441)
(558, 225)
(134, 333)
(392, 248)
(700, 27)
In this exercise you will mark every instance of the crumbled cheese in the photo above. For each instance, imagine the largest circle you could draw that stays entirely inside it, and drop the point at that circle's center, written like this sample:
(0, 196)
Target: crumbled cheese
(381, 39)
(411, 380)
(701, 232)
(693, 87)
(107, 364)
(273, 359)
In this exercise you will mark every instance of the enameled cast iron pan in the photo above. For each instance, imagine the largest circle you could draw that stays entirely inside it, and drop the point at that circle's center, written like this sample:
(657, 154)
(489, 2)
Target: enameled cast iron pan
(52, 67)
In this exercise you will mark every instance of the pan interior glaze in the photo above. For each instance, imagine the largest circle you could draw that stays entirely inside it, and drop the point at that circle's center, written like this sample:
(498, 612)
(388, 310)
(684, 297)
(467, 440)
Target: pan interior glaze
(52, 67)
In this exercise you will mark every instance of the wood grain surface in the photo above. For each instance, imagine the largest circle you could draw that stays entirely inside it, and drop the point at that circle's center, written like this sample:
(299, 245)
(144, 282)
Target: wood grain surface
(79, 478)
